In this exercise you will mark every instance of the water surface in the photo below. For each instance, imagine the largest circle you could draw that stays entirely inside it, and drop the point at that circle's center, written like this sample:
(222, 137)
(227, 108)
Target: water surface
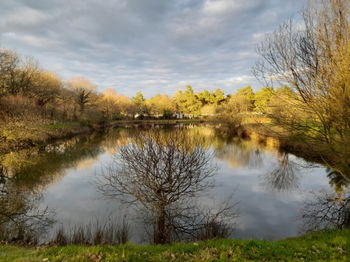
(269, 187)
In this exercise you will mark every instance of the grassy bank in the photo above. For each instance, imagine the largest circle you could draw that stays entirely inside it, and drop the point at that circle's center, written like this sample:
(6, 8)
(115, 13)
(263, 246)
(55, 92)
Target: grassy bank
(17, 135)
(324, 246)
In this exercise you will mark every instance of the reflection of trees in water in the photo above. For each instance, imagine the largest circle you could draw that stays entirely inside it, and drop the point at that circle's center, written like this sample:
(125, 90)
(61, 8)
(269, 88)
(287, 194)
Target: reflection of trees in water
(29, 171)
(37, 167)
(327, 210)
(21, 218)
(283, 177)
(162, 173)
(239, 155)
(116, 139)
(236, 151)
(286, 176)
(24, 174)
(338, 181)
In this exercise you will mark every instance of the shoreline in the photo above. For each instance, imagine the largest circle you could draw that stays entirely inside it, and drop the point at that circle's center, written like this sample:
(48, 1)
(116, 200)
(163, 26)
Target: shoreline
(64, 130)
(256, 132)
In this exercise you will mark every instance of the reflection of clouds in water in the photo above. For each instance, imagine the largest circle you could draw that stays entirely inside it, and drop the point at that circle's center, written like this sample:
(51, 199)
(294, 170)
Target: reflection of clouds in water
(86, 202)
(264, 213)
(249, 163)
(266, 221)
(286, 172)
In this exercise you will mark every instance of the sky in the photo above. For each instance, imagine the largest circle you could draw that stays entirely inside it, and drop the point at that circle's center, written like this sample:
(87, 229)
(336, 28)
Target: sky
(152, 46)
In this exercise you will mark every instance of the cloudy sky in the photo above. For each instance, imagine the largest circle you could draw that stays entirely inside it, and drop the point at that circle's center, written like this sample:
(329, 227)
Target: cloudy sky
(156, 46)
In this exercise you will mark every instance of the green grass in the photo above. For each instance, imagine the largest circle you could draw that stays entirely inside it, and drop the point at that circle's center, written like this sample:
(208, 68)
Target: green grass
(323, 246)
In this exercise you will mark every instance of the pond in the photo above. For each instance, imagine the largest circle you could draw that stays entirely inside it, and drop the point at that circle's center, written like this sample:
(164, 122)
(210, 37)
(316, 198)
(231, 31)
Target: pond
(268, 189)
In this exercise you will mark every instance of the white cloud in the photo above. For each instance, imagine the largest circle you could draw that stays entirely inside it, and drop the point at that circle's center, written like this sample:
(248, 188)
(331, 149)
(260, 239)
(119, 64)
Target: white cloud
(24, 16)
(31, 40)
(154, 46)
(219, 7)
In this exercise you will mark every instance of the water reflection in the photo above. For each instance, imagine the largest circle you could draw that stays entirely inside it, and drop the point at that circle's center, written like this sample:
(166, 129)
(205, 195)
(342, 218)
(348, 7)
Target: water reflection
(271, 186)
(24, 175)
(338, 181)
(285, 176)
(239, 155)
(327, 210)
(22, 220)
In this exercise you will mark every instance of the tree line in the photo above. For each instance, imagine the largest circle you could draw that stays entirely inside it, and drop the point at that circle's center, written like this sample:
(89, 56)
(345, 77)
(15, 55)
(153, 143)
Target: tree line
(27, 90)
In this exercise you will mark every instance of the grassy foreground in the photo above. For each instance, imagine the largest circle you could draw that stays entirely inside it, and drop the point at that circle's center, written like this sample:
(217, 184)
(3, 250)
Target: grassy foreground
(324, 246)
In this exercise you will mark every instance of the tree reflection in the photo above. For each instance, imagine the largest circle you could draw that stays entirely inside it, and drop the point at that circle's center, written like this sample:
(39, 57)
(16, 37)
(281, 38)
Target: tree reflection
(284, 176)
(337, 180)
(327, 210)
(239, 155)
(21, 218)
(163, 174)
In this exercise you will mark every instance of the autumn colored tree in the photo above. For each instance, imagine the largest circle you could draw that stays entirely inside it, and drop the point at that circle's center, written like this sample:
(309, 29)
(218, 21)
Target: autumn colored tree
(107, 102)
(314, 61)
(160, 105)
(84, 90)
(46, 87)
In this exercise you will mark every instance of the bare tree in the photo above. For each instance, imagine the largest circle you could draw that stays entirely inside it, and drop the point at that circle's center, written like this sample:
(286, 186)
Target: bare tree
(313, 59)
(162, 174)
